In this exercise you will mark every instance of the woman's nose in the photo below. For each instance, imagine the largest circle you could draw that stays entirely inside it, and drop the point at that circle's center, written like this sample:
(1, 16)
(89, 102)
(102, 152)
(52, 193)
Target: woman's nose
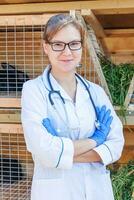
(67, 50)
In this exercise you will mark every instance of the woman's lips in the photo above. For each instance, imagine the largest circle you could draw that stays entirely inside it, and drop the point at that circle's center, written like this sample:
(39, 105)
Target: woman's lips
(66, 60)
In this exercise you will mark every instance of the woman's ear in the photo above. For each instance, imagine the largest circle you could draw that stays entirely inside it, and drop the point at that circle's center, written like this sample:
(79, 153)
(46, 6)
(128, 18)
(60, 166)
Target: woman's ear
(45, 47)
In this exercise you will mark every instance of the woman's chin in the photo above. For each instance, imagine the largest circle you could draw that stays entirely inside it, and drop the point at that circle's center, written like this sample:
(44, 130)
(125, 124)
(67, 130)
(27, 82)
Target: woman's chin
(66, 67)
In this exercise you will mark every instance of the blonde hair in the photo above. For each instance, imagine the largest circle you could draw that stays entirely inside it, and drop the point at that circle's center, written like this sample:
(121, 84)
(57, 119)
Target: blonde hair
(57, 22)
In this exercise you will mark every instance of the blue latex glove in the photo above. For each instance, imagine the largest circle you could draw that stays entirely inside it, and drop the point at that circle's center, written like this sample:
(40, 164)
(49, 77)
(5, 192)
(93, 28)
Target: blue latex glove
(47, 124)
(105, 120)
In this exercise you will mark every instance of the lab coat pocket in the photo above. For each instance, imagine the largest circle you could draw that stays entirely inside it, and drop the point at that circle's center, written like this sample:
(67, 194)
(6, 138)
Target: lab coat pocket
(48, 189)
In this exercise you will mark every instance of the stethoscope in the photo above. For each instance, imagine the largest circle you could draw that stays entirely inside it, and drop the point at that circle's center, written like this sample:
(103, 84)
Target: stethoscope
(57, 92)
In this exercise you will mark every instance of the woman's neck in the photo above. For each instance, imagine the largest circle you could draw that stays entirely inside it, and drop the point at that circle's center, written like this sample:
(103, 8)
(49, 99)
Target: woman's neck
(67, 80)
(64, 78)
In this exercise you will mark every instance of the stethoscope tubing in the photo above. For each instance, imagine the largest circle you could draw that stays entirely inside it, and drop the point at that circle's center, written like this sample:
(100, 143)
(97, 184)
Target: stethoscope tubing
(52, 91)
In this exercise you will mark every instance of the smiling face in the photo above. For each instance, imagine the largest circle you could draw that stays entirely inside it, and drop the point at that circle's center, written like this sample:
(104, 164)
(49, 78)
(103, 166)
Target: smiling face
(66, 60)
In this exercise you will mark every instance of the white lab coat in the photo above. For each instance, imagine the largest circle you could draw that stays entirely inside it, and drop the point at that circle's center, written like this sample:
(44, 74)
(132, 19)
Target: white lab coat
(67, 180)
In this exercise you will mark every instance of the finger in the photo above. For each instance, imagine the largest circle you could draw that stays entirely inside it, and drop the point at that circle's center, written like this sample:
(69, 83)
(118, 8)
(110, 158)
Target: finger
(109, 121)
(46, 122)
(97, 111)
(106, 116)
(102, 127)
(102, 113)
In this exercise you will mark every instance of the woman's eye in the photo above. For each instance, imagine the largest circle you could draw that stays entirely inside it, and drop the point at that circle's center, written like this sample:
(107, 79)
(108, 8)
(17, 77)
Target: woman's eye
(75, 44)
(58, 45)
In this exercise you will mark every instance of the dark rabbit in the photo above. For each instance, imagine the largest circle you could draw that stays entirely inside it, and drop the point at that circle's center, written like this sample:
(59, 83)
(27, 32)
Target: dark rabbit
(11, 79)
(10, 170)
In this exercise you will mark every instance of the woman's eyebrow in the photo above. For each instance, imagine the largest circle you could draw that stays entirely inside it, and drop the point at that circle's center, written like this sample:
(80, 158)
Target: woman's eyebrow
(75, 40)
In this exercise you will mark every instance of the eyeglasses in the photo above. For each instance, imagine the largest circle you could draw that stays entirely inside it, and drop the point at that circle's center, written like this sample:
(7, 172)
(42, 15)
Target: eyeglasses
(60, 46)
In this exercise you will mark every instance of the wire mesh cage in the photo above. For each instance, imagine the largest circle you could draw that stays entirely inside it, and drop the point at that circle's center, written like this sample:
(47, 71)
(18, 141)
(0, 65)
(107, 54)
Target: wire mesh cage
(16, 164)
(21, 59)
(21, 53)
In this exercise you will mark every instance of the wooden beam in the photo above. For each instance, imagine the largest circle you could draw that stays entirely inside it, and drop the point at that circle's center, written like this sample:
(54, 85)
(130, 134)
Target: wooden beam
(10, 103)
(129, 138)
(21, 20)
(65, 6)
(119, 32)
(127, 155)
(11, 128)
(113, 11)
(91, 19)
(116, 21)
(10, 118)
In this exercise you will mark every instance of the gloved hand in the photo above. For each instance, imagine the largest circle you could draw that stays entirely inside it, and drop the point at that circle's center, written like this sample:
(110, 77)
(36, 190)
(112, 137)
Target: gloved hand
(47, 124)
(105, 120)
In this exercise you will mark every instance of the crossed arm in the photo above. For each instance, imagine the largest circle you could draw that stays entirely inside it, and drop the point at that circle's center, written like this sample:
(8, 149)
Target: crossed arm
(83, 148)
(83, 151)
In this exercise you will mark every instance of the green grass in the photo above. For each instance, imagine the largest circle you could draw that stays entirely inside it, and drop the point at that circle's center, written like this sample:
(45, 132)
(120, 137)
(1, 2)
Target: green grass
(118, 78)
(123, 181)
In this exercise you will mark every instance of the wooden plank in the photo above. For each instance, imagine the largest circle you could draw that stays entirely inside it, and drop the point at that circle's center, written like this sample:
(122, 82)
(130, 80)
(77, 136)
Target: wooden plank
(10, 118)
(64, 6)
(117, 44)
(116, 21)
(91, 19)
(119, 32)
(16, 118)
(26, 1)
(31, 1)
(10, 103)
(11, 128)
(19, 34)
(127, 155)
(113, 11)
(129, 138)
(21, 155)
(24, 20)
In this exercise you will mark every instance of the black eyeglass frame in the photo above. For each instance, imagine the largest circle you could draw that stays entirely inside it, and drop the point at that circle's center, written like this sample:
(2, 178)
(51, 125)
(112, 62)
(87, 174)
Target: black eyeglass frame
(65, 44)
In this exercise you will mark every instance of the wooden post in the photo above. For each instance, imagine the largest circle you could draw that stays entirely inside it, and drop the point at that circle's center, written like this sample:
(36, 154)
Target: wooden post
(91, 19)
(129, 93)
(93, 54)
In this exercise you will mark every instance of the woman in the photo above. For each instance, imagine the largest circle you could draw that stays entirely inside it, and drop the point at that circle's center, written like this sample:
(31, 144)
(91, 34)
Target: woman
(59, 111)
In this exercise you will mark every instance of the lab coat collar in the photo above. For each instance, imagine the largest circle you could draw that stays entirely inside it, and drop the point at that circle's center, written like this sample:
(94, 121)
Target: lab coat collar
(81, 93)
